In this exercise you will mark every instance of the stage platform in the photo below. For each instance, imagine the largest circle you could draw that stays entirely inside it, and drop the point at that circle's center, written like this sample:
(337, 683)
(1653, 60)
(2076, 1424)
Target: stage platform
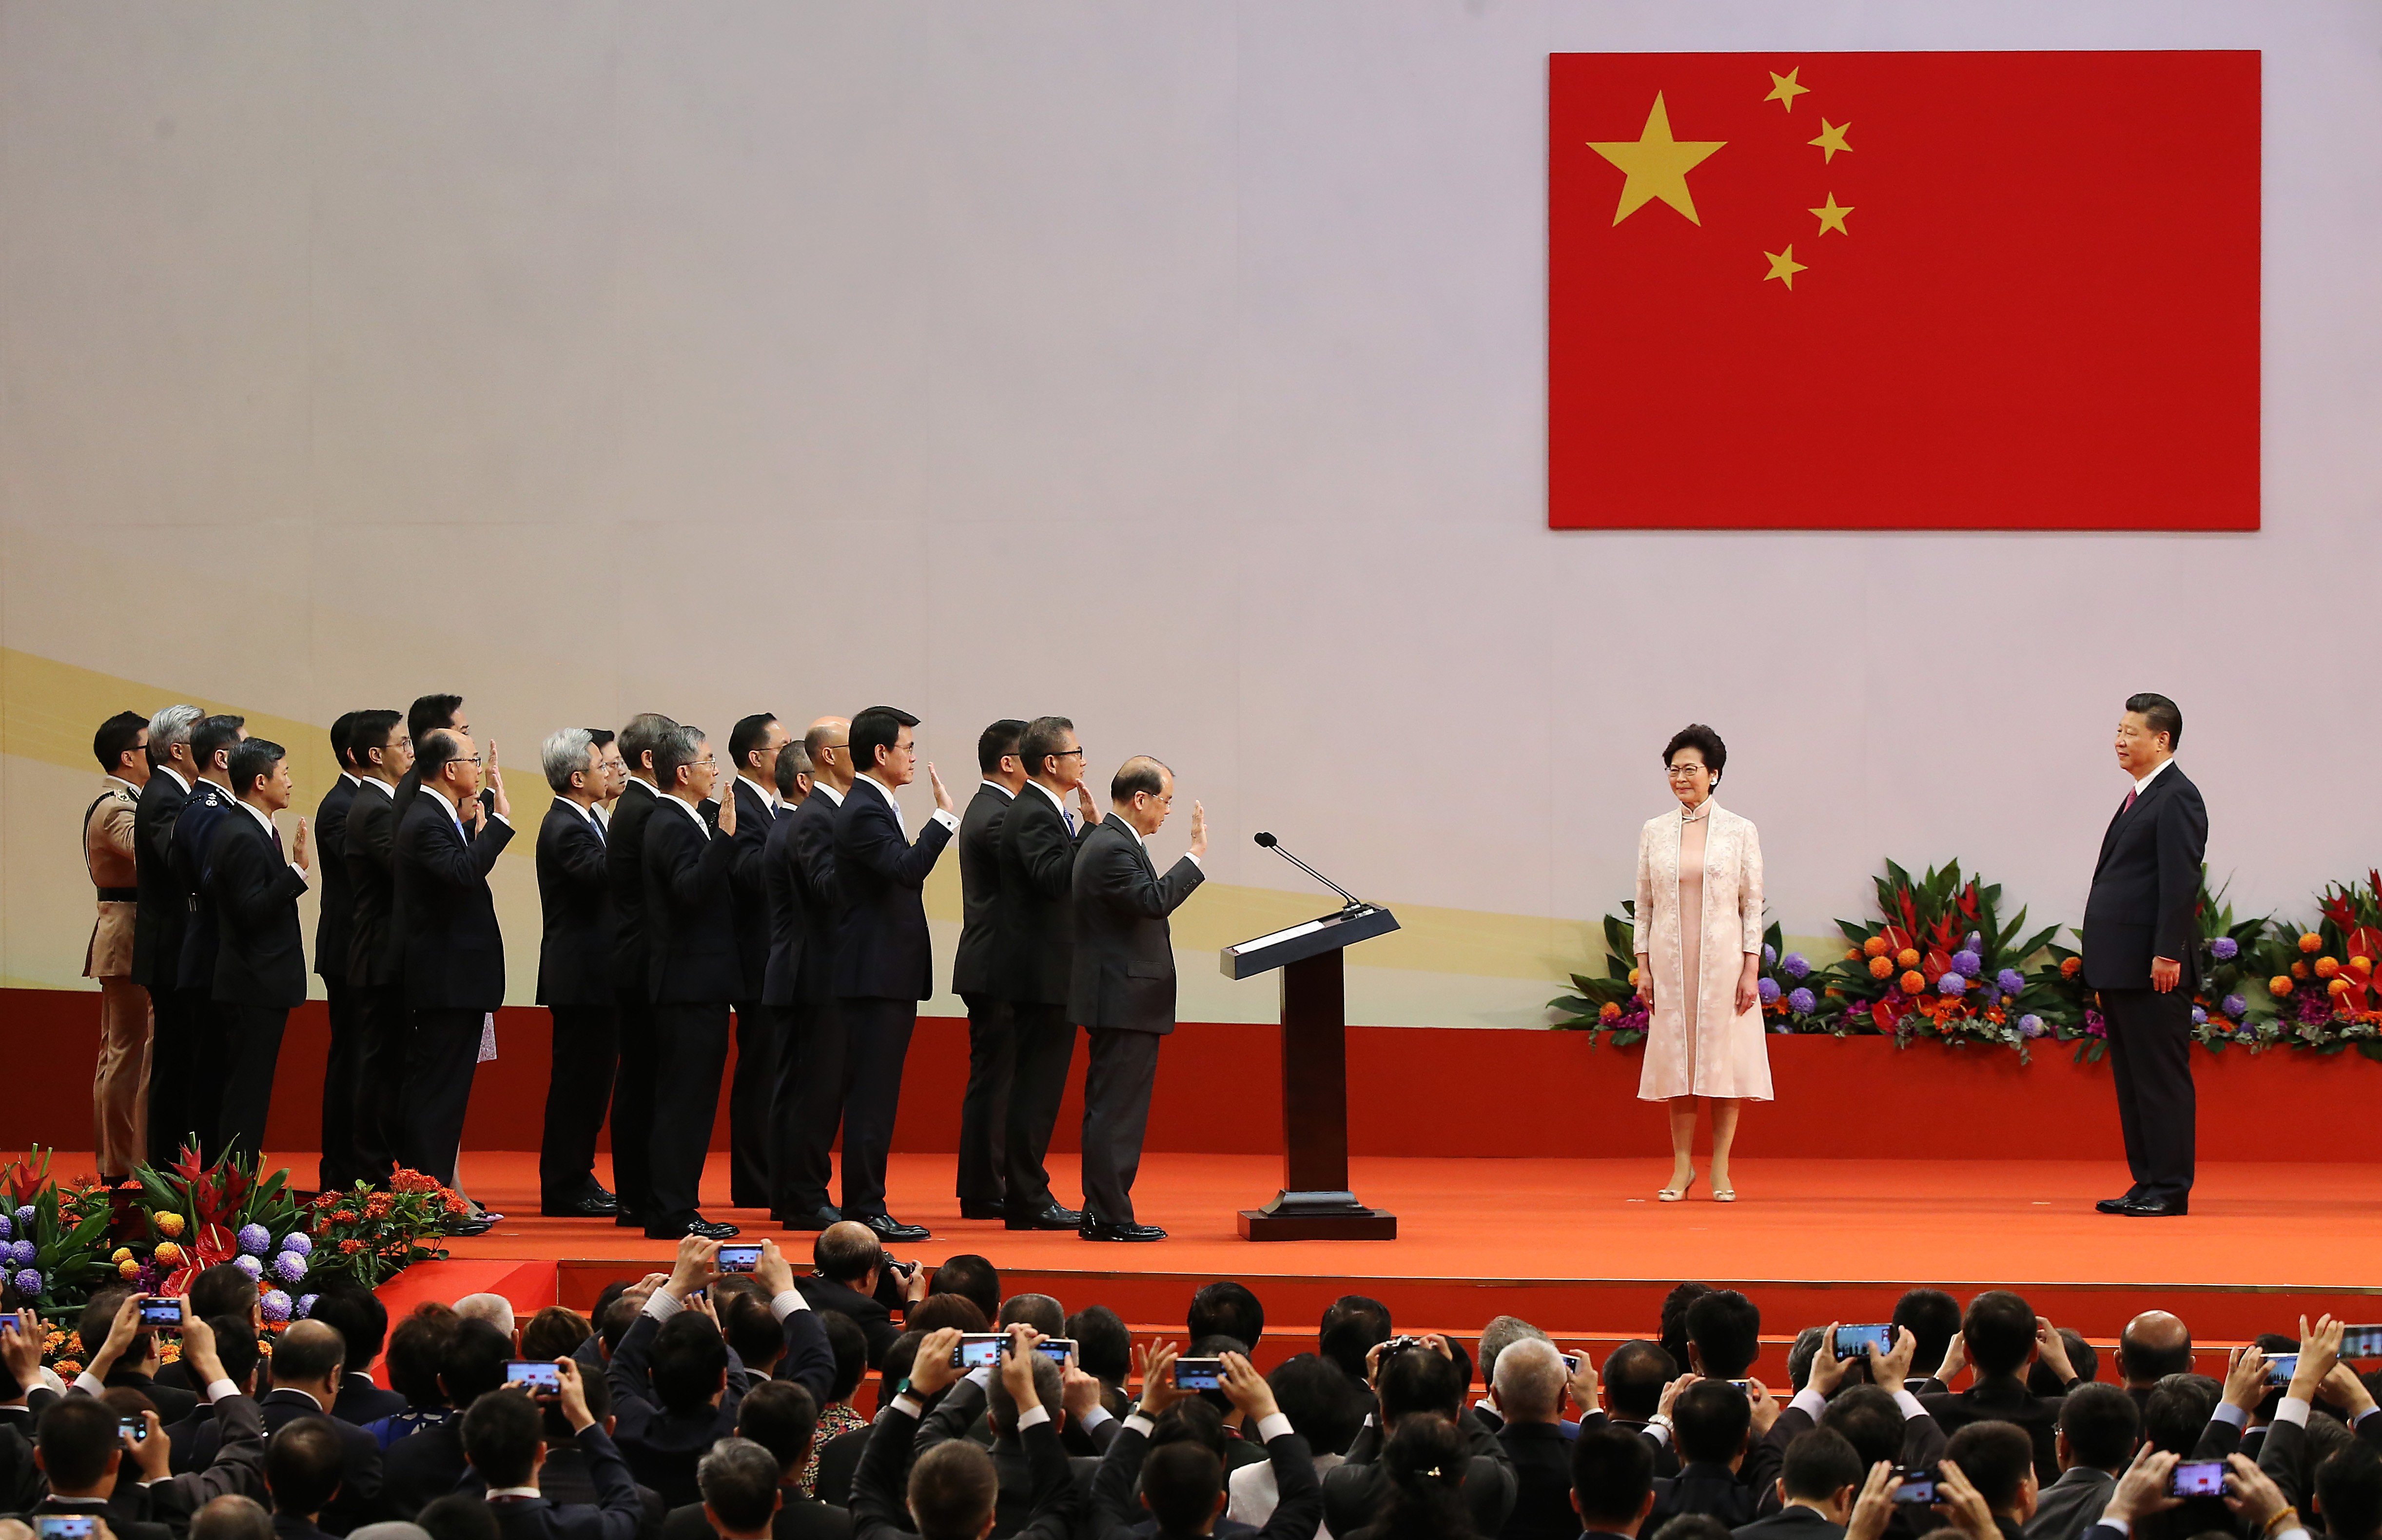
(1581, 1247)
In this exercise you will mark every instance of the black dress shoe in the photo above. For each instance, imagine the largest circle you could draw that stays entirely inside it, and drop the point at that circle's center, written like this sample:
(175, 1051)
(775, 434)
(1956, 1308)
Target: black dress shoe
(2155, 1208)
(971, 1208)
(698, 1226)
(471, 1223)
(587, 1207)
(2114, 1205)
(817, 1219)
(1049, 1216)
(1122, 1232)
(890, 1228)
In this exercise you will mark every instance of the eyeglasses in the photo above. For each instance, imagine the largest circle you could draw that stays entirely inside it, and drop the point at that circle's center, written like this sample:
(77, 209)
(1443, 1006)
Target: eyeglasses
(1678, 771)
(1070, 753)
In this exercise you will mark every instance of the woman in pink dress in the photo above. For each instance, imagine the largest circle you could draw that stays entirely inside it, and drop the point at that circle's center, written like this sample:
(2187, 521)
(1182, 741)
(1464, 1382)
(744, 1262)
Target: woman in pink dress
(1704, 1035)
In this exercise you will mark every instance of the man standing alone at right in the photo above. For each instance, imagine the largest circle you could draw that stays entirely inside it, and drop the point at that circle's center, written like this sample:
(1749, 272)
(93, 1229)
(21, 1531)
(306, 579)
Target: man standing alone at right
(2141, 953)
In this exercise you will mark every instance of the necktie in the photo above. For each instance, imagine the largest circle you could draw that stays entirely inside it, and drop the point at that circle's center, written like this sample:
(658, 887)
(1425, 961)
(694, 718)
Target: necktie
(278, 851)
(2130, 802)
(1071, 822)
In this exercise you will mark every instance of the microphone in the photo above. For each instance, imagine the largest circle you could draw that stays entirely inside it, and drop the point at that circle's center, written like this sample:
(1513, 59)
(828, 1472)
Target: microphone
(1269, 842)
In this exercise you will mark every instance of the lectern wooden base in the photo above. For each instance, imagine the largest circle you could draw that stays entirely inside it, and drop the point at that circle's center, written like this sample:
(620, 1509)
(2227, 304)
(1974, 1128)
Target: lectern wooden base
(1353, 1223)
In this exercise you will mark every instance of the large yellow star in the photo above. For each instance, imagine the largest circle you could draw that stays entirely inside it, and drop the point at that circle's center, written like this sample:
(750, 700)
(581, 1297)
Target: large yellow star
(1783, 266)
(1832, 139)
(1656, 165)
(1831, 218)
(1783, 89)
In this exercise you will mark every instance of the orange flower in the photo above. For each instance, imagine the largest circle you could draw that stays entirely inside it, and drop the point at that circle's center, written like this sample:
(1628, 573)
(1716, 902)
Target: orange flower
(1873, 947)
(1912, 983)
(1633, 977)
(1852, 953)
(2070, 966)
(351, 1246)
(2279, 985)
(343, 1216)
(2339, 986)
(2299, 971)
(2310, 942)
(2326, 967)
(169, 1224)
(167, 1255)
(2361, 966)
(1906, 958)
(1609, 1011)
(1880, 967)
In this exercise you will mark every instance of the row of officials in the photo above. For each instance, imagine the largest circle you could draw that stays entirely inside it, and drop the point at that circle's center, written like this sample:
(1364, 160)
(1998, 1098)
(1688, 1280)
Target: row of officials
(783, 890)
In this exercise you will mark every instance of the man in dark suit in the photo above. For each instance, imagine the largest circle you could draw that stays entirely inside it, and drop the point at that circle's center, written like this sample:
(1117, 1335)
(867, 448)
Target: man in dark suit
(1123, 987)
(992, 1046)
(2099, 1426)
(80, 1453)
(304, 1469)
(781, 973)
(624, 852)
(884, 960)
(362, 1321)
(1817, 1484)
(2141, 953)
(574, 977)
(159, 919)
(1528, 1379)
(752, 746)
(749, 1494)
(259, 973)
(504, 1436)
(1718, 1475)
(454, 968)
(1035, 960)
(851, 1273)
(1997, 1339)
(1612, 1482)
(426, 1464)
(809, 1103)
(210, 803)
(383, 756)
(309, 1361)
(1997, 1459)
(340, 1167)
(956, 1481)
(692, 973)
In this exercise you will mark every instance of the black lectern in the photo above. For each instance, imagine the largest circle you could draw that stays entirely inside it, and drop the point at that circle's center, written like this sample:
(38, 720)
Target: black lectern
(1315, 1202)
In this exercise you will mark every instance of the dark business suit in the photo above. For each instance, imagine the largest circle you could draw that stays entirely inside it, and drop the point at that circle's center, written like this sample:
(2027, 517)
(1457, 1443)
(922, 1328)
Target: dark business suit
(992, 1043)
(617, 1513)
(884, 966)
(880, 1511)
(358, 1500)
(1542, 1457)
(453, 970)
(810, 1105)
(361, 1401)
(2004, 1399)
(334, 923)
(422, 1468)
(375, 957)
(194, 833)
(663, 1447)
(2066, 1507)
(1702, 1488)
(574, 983)
(1790, 1523)
(872, 1316)
(1123, 992)
(798, 1518)
(757, 1037)
(2144, 887)
(158, 925)
(632, 1087)
(260, 969)
(1033, 970)
(692, 972)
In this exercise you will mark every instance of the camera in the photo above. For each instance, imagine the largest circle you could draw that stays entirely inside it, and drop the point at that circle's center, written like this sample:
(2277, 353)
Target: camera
(64, 1526)
(1206, 1374)
(1854, 1341)
(1397, 1345)
(134, 1428)
(2197, 1478)
(2280, 1367)
(738, 1259)
(157, 1311)
(1058, 1349)
(543, 1379)
(1914, 1484)
(980, 1349)
(2361, 1342)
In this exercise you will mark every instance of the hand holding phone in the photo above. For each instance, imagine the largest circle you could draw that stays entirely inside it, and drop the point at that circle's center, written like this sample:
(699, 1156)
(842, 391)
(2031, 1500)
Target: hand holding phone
(2198, 1478)
(543, 1379)
(1853, 1342)
(161, 1312)
(1914, 1484)
(1058, 1349)
(1199, 1373)
(979, 1349)
(738, 1259)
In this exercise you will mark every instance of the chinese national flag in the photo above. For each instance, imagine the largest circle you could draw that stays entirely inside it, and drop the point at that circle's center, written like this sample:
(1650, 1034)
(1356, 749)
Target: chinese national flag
(1903, 290)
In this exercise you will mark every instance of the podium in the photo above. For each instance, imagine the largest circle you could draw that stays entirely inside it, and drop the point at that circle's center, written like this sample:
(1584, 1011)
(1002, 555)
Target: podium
(1315, 1202)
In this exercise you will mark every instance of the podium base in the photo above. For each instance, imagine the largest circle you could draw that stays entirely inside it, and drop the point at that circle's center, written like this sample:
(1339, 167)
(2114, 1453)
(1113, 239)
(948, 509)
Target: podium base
(1317, 1216)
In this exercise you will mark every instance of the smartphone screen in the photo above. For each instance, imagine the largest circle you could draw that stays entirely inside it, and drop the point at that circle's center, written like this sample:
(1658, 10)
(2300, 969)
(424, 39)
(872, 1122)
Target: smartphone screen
(1058, 1349)
(546, 1379)
(134, 1428)
(2361, 1342)
(2281, 1367)
(161, 1312)
(1571, 1361)
(1854, 1341)
(978, 1350)
(1914, 1486)
(738, 1259)
(2198, 1478)
(64, 1526)
(1199, 1373)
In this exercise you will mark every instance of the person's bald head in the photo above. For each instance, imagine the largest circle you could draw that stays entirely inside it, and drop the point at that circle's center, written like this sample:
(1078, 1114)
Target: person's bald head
(308, 1356)
(827, 741)
(2155, 1345)
(848, 1252)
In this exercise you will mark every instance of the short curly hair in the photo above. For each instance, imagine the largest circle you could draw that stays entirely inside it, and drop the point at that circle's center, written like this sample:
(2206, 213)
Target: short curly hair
(1696, 736)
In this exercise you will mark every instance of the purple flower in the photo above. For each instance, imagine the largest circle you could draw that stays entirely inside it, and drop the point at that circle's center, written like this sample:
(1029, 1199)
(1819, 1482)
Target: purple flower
(1951, 983)
(2223, 949)
(2095, 1026)
(2235, 1006)
(22, 1253)
(25, 1217)
(2011, 980)
(2314, 1007)
(29, 1285)
(1781, 1028)
(1768, 990)
(1769, 954)
(249, 1266)
(296, 1241)
(1967, 963)
(2198, 1016)
(305, 1306)
(254, 1240)
(1974, 942)
(1796, 966)
(8, 1226)
(289, 1267)
(2030, 1026)
(1801, 1002)
(275, 1304)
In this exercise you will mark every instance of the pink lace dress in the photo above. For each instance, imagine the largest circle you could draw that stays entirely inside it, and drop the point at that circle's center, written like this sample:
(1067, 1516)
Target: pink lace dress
(1698, 914)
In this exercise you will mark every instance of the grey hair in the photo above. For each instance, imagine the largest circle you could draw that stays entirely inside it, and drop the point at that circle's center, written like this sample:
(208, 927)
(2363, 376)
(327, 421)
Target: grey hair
(172, 726)
(1529, 1381)
(494, 1308)
(1498, 1336)
(564, 755)
(737, 1469)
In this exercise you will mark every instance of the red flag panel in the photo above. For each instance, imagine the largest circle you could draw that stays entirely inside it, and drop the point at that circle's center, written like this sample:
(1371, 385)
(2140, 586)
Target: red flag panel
(1950, 290)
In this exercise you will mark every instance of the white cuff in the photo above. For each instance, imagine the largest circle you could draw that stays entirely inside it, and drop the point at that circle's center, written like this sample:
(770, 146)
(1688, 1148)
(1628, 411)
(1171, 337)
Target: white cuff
(2292, 1411)
(1908, 1405)
(785, 1304)
(2228, 1413)
(662, 1304)
(1139, 1423)
(1809, 1402)
(1272, 1427)
(908, 1406)
(1032, 1417)
(1094, 1418)
(303, 875)
(2369, 1411)
(89, 1384)
(981, 1377)
(1194, 857)
(948, 821)
(1658, 1428)
(218, 1389)
(499, 817)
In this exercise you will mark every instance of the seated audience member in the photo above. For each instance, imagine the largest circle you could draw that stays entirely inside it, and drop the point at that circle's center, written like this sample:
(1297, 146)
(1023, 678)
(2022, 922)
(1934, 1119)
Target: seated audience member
(779, 1418)
(1104, 1350)
(850, 1276)
(1710, 1420)
(986, 1392)
(839, 1416)
(741, 1493)
(1799, 1357)
(2349, 1493)
(569, 1474)
(424, 1468)
(1352, 1327)
(1692, 1526)
(362, 1321)
(1225, 1309)
(2154, 1345)
(1045, 1315)
(951, 1491)
(1672, 1335)
(1181, 1480)
(1500, 1334)
(676, 1383)
(130, 1358)
(236, 1350)
(1997, 1336)
(460, 1515)
(1933, 1319)
(303, 1468)
(1416, 1381)
(555, 1332)
(1997, 1459)
(1723, 1335)
(2099, 1426)
(2178, 1411)
(494, 1308)
(1531, 1379)
(1424, 1461)
(505, 1438)
(223, 1290)
(971, 1277)
(237, 1433)
(1634, 1375)
(937, 1311)
(1881, 1419)
(308, 1363)
(2083, 1363)
(1323, 1408)
(1612, 1482)
(1817, 1483)
(79, 1449)
(416, 1348)
(232, 1517)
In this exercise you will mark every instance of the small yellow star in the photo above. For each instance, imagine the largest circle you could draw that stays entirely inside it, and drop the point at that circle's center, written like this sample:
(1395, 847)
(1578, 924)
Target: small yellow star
(1783, 266)
(1783, 89)
(1831, 218)
(1655, 165)
(1832, 137)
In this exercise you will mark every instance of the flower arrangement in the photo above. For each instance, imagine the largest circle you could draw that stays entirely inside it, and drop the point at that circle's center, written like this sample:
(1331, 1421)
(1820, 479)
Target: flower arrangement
(2323, 988)
(201, 1215)
(54, 1237)
(367, 1236)
(1939, 962)
(1794, 994)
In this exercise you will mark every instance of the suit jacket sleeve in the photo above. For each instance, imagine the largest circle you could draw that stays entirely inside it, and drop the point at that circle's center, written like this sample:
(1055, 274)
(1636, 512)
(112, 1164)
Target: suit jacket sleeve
(238, 1467)
(621, 1513)
(2283, 1457)
(455, 866)
(872, 839)
(1489, 1487)
(2182, 841)
(580, 857)
(1045, 851)
(1119, 881)
(1300, 1507)
(808, 1361)
(1055, 1512)
(628, 1374)
(952, 1416)
(1114, 1484)
(880, 1505)
(692, 881)
(2218, 1439)
(250, 886)
(1923, 1440)
(815, 853)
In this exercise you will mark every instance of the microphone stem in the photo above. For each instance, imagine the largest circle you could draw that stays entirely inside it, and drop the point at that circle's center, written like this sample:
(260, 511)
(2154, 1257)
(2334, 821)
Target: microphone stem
(1353, 902)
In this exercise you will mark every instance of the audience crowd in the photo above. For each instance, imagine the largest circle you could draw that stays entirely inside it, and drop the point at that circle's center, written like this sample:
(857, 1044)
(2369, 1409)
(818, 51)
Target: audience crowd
(699, 1404)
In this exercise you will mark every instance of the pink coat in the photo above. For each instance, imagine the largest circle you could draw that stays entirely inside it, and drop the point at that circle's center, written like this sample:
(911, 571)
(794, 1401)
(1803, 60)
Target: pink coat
(1728, 1057)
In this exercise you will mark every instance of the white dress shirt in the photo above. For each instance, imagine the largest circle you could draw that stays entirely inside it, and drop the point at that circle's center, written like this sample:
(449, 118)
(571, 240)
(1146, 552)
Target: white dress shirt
(2143, 783)
(692, 811)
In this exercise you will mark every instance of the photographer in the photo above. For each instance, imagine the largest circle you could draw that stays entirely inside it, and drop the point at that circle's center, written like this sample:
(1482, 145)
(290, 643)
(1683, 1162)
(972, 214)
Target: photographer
(852, 1274)
(951, 1492)
(1412, 1375)
(1181, 1481)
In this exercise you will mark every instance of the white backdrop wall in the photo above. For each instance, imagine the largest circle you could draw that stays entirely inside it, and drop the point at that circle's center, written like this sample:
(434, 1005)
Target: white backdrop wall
(1176, 367)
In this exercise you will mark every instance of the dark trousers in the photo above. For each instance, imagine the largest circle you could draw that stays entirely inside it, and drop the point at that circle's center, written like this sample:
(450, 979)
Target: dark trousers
(690, 1043)
(341, 1166)
(173, 1054)
(2150, 1058)
(875, 1042)
(632, 1104)
(809, 1108)
(253, 1036)
(577, 1090)
(993, 1058)
(380, 1077)
(442, 1052)
(1046, 1046)
(1123, 1068)
(748, 1105)
(209, 1069)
